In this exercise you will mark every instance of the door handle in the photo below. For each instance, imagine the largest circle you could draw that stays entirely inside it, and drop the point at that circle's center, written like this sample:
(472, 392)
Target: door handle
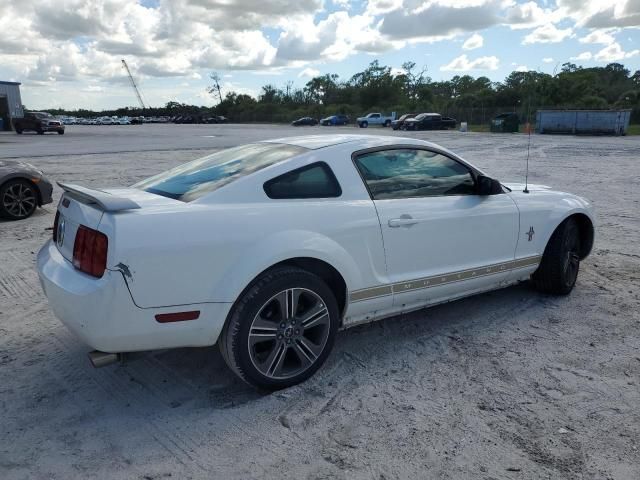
(405, 220)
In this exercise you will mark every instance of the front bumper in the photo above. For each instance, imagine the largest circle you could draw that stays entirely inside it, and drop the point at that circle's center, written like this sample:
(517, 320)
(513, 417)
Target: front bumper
(102, 314)
(46, 191)
(53, 128)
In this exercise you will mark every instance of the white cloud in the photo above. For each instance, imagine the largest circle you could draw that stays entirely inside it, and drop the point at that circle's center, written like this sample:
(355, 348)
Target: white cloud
(309, 73)
(473, 42)
(599, 36)
(614, 53)
(583, 57)
(439, 19)
(522, 68)
(547, 60)
(376, 7)
(547, 34)
(463, 64)
(527, 15)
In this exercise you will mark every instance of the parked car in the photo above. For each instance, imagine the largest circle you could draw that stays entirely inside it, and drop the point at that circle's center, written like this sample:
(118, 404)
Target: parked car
(304, 121)
(429, 121)
(23, 188)
(270, 248)
(505, 122)
(339, 119)
(397, 124)
(105, 121)
(214, 119)
(375, 119)
(137, 120)
(39, 122)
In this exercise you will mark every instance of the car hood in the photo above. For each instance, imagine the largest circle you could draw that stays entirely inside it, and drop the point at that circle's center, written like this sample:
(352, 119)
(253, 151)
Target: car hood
(531, 187)
(14, 166)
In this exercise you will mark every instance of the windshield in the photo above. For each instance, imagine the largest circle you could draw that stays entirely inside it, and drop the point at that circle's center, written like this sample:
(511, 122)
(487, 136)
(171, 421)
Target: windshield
(192, 180)
(43, 115)
(421, 116)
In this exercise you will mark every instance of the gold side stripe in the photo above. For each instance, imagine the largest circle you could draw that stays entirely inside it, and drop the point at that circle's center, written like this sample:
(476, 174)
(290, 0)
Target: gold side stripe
(443, 279)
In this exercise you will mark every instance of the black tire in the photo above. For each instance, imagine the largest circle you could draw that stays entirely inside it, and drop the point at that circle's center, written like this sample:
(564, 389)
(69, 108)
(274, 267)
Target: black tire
(364, 124)
(387, 123)
(19, 131)
(18, 199)
(558, 270)
(60, 132)
(40, 131)
(284, 344)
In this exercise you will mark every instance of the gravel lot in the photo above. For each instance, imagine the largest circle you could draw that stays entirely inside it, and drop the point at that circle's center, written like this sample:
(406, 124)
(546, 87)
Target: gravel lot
(507, 385)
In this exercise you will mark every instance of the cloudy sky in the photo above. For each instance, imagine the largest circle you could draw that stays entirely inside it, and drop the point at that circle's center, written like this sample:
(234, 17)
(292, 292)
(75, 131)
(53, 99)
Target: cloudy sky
(68, 52)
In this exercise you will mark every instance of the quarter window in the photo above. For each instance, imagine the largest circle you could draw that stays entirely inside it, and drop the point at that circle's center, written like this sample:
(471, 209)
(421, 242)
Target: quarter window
(406, 173)
(313, 181)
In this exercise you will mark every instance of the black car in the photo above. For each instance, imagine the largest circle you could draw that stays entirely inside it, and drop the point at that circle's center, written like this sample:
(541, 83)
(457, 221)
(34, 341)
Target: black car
(429, 121)
(397, 124)
(304, 121)
(339, 119)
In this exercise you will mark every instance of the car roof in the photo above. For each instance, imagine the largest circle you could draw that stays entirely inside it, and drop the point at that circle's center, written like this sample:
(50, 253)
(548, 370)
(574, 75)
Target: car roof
(359, 142)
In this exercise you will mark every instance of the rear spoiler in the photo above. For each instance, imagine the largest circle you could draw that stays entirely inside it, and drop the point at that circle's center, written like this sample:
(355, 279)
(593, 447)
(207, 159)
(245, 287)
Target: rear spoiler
(103, 200)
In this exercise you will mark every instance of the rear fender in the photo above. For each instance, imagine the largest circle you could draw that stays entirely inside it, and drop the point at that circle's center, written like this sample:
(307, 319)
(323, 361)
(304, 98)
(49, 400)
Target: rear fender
(279, 248)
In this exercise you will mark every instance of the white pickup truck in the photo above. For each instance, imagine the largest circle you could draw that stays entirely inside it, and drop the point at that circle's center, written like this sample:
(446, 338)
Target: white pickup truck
(375, 119)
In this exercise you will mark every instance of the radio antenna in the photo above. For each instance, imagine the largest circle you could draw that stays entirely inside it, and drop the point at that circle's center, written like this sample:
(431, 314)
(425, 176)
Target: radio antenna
(526, 173)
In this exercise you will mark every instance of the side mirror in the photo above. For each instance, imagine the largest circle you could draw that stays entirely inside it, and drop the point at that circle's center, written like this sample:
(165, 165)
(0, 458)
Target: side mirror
(487, 186)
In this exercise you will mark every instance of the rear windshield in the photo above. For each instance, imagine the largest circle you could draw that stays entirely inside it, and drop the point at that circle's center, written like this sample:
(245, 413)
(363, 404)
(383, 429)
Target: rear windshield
(192, 180)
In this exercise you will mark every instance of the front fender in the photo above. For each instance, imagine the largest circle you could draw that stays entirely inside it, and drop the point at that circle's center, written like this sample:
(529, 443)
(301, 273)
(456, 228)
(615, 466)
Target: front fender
(541, 212)
(280, 247)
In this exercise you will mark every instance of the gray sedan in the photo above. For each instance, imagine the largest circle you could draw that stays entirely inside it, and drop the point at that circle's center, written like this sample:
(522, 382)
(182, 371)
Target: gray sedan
(23, 188)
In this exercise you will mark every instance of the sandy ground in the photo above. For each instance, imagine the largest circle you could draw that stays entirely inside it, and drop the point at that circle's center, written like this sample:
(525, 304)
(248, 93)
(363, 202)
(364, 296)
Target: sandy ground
(507, 385)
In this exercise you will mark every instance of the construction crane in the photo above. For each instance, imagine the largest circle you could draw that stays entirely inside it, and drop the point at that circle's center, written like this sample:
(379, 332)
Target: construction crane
(133, 84)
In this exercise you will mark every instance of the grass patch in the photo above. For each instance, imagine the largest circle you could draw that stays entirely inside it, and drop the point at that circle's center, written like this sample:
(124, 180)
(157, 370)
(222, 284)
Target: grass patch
(634, 130)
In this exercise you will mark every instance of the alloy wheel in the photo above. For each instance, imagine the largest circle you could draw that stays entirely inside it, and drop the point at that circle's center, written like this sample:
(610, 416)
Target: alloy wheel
(289, 333)
(19, 200)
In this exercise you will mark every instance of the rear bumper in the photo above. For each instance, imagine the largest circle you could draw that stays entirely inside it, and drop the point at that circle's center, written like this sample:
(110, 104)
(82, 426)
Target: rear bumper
(102, 314)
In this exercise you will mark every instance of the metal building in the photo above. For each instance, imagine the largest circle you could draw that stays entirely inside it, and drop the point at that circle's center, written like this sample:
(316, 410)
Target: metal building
(10, 104)
(589, 122)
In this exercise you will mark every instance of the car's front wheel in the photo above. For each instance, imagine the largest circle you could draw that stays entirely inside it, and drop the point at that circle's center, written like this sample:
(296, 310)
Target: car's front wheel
(558, 270)
(364, 124)
(281, 330)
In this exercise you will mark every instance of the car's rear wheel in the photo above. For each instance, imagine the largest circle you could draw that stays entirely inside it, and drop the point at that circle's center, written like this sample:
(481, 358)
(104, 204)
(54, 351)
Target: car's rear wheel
(18, 199)
(558, 270)
(281, 330)
(387, 123)
(40, 131)
(19, 131)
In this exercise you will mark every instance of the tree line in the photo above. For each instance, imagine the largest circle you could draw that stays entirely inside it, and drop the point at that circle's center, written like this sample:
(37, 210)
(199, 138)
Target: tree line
(380, 88)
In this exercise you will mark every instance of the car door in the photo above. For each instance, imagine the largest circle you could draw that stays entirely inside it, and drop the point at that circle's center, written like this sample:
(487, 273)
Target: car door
(441, 239)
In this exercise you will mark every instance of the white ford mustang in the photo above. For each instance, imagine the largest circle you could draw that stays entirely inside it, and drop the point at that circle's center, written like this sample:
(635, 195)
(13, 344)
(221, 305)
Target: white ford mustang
(270, 248)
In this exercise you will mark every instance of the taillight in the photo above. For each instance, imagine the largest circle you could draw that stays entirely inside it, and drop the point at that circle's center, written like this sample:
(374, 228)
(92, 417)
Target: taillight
(55, 227)
(90, 251)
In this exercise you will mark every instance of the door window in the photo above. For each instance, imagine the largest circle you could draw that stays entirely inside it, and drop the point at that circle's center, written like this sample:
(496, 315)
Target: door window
(407, 173)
